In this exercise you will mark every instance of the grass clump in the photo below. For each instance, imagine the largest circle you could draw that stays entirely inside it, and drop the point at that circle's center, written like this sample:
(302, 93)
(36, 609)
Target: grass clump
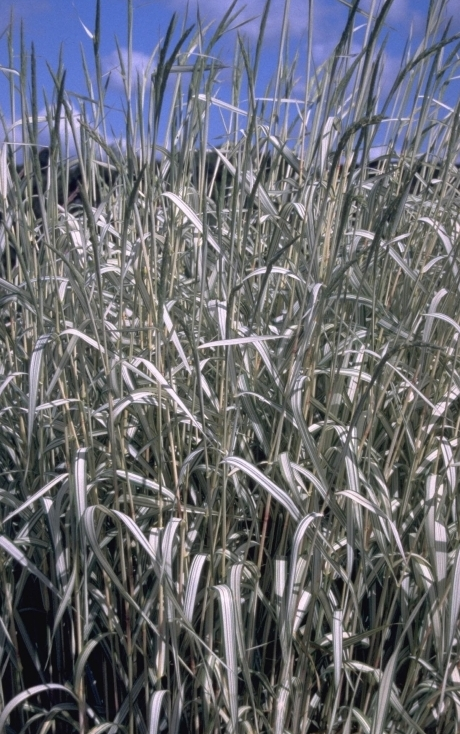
(229, 400)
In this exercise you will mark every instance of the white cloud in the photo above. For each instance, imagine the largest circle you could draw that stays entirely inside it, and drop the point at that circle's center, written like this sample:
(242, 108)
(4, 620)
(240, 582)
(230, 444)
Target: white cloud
(249, 19)
(141, 65)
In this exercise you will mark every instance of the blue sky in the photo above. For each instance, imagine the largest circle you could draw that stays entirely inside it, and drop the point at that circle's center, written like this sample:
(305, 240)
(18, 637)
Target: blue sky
(55, 24)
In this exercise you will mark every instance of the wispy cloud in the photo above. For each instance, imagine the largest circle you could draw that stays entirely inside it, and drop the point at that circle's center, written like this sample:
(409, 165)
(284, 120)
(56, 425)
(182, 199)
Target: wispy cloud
(328, 16)
(249, 18)
(141, 64)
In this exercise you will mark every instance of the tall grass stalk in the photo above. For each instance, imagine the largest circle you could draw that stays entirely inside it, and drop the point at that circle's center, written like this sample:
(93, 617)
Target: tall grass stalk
(229, 390)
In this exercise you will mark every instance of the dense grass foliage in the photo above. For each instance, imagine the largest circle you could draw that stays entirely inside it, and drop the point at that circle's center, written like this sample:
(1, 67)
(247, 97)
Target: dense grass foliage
(229, 400)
